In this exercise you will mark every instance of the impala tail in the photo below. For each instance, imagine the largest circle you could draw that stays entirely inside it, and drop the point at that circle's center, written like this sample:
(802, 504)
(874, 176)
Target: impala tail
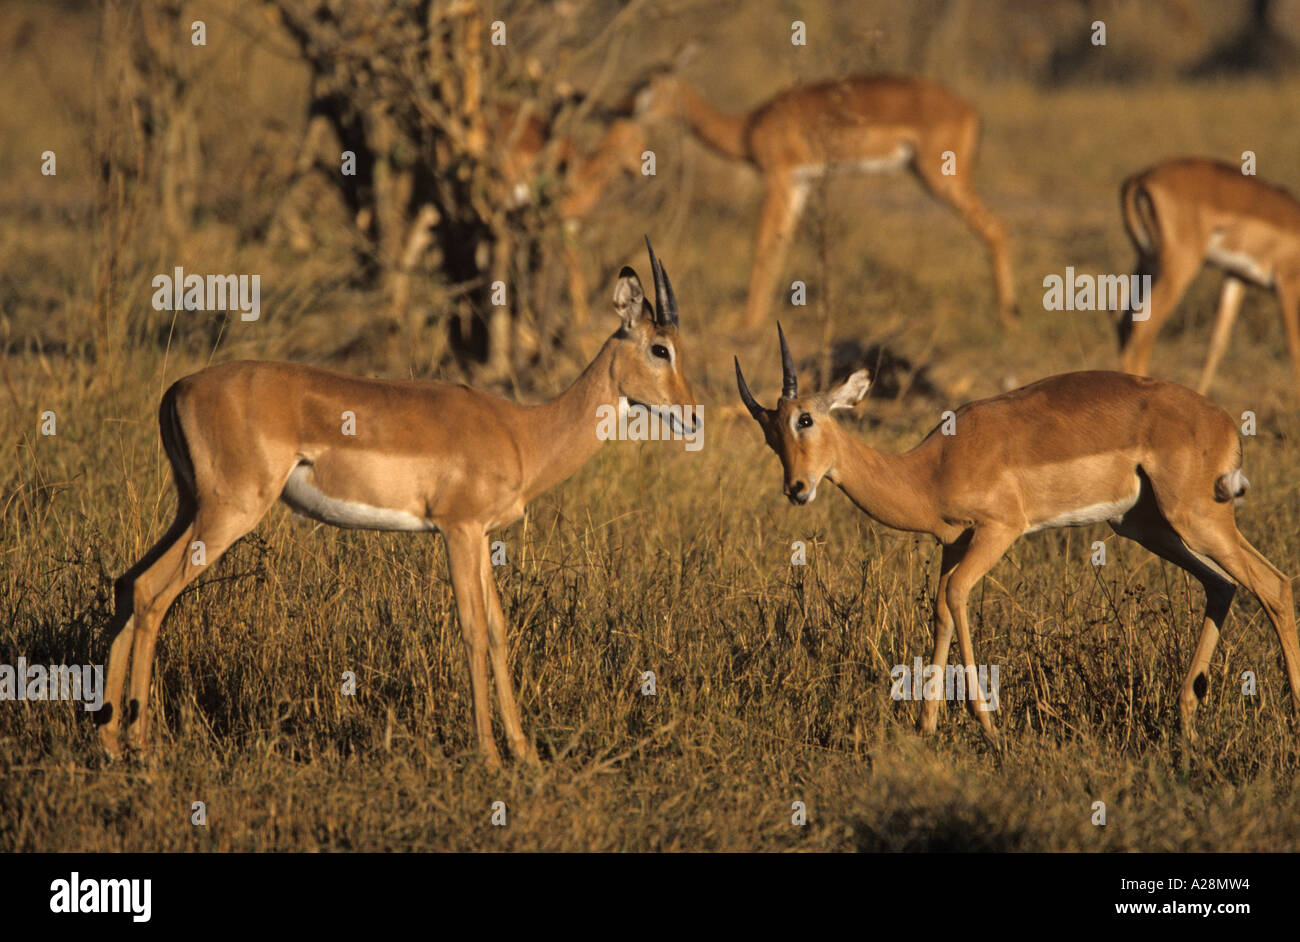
(1140, 222)
(1140, 216)
(174, 442)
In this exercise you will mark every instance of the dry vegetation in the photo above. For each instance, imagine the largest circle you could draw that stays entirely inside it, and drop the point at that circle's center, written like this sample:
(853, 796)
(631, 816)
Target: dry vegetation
(773, 680)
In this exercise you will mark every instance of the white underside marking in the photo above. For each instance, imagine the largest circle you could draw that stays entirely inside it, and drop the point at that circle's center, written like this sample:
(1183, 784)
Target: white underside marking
(1095, 513)
(1239, 263)
(895, 161)
(303, 496)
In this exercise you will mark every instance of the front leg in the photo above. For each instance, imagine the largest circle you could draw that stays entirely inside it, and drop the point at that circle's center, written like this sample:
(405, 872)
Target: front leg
(986, 548)
(466, 553)
(520, 747)
(943, 625)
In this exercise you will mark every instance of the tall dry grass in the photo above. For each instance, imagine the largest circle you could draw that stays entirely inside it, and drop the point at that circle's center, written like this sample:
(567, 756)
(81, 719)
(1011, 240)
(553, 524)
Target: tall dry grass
(773, 680)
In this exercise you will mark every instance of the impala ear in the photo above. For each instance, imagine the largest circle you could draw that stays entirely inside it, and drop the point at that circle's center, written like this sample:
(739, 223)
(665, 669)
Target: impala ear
(850, 392)
(629, 297)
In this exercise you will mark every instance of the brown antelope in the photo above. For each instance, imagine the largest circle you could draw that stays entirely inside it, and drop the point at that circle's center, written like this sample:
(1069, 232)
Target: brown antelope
(1156, 461)
(1182, 214)
(864, 123)
(421, 456)
(584, 178)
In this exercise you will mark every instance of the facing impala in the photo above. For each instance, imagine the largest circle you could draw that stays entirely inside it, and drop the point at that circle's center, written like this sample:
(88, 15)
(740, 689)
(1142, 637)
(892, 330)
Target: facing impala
(424, 456)
(1156, 461)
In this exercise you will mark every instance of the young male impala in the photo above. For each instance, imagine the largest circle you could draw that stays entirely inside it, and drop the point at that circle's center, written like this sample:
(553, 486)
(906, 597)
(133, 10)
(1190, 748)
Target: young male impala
(1181, 214)
(424, 456)
(1156, 461)
(863, 123)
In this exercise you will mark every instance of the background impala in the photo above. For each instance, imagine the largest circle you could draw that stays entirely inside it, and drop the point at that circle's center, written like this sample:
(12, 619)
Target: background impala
(1185, 213)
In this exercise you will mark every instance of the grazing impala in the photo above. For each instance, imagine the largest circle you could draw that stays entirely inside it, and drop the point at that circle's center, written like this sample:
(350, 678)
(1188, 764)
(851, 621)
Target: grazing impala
(1181, 214)
(1156, 461)
(864, 123)
(423, 456)
(585, 177)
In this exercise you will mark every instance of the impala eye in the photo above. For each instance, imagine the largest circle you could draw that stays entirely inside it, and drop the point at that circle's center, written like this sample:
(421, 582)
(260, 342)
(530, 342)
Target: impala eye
(805, 421)
(660, 351)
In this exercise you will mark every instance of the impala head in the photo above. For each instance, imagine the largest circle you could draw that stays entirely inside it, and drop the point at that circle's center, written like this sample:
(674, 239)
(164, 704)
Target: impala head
(801, 429)
(657, 92)
(648, 363)
(657, 99)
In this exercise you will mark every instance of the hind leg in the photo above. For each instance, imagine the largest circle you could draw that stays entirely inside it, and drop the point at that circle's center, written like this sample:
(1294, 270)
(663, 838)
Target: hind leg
(1175, 273)
(958, 193)
(1214, 535)
(1145, 525)
(123, 628)
(156, 589)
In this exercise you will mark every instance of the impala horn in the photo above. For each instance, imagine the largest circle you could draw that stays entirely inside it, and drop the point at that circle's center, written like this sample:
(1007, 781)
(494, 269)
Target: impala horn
(665, 300)
(745, 395)
(789, 382)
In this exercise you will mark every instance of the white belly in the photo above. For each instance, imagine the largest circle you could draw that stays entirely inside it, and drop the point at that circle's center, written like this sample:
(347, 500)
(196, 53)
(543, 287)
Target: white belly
(1238, 263)
(1082, 516)
(886, 163)
(304, 498)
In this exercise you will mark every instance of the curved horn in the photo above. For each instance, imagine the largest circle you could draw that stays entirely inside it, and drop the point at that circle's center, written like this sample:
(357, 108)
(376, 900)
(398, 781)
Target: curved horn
(665, 300)
(789, 382)
(745, 395)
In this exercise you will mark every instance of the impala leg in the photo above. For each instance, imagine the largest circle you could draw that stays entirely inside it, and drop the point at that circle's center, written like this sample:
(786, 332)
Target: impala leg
(986, 548)
(1230, 295)
(122, 628)
(943, 625)
(782, 204)
(157, 588)
(499, 649)
(958, 193)
(1174, 273)
(1288, 295)
(154, 591)
(1124, 323)
(1148, 527)
(465, 550)
(1221, 542)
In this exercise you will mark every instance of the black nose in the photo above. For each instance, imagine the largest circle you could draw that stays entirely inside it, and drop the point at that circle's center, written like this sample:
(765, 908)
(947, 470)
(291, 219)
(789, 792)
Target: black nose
(794, 488)
(796, 492)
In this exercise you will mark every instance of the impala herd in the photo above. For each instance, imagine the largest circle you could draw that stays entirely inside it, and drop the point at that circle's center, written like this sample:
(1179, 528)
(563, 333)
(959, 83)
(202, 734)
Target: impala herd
(1158, 462)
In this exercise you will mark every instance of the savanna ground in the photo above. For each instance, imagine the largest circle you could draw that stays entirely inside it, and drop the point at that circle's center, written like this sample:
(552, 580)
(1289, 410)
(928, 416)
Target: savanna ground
(772, 680)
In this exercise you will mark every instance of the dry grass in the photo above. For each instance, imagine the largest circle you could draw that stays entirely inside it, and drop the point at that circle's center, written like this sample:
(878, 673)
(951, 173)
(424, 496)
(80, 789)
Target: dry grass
(773, 680)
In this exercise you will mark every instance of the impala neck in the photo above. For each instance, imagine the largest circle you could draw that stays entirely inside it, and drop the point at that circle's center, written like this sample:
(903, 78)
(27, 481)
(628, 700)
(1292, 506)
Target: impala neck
(559, 436)
(724, 132)
(896, 490)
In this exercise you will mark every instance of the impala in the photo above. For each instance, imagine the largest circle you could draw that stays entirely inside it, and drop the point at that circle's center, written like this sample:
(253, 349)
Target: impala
(864, 123)
(584, 179)
(424, 456)
(1181, 214)
(1156, 461)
